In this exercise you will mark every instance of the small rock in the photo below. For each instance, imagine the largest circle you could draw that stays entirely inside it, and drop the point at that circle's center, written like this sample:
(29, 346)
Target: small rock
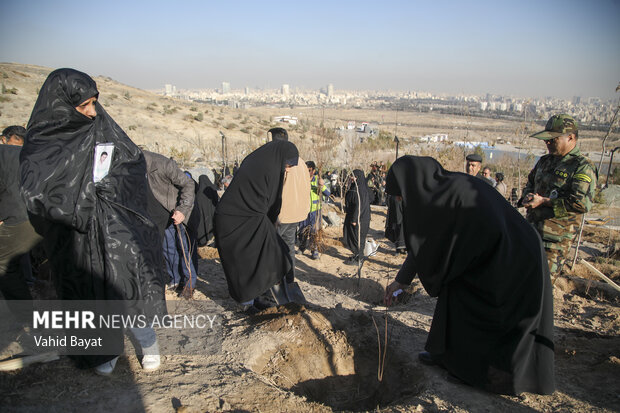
(333, 219)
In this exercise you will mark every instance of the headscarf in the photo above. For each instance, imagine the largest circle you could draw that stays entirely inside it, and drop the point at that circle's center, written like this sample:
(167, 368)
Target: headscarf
(256, 188)
(105, 245)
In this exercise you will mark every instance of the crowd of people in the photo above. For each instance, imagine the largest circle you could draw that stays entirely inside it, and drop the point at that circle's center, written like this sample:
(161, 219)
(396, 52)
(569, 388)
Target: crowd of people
(121, 223)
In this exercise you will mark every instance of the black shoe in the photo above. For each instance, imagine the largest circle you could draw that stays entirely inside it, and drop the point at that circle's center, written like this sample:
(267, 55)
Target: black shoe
(453, 379)
(250, 310)
(427, 358)
(262, 304)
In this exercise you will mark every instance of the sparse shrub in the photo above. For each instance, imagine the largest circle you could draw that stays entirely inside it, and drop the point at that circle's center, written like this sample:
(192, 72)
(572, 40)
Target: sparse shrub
(113, 96)
(4, 98)
(127, 95)
(169, 110)
(193, 109)
(384, 140)
(215, 123)
(7, 91)
(238, 116)
(132, 127)
(245, 130)
(220, 118)
(231, 125)
(4, 75)
(199, 117)
(181, 156)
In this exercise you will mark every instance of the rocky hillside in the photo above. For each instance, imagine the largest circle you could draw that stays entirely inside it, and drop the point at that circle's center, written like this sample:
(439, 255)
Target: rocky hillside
(186, 130)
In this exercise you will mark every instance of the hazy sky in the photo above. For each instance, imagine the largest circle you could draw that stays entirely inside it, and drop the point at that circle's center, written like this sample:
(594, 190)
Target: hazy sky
(522, 47)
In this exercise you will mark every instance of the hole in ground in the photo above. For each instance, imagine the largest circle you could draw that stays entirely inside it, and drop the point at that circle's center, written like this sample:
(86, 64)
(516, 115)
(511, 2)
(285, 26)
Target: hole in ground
(305, 354)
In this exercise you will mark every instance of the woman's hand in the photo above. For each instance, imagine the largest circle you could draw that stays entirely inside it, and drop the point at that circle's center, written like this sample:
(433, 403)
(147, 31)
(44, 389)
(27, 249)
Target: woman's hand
(389, 292)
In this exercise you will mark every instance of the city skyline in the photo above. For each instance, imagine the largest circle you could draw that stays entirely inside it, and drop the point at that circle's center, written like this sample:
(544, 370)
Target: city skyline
(547, 48)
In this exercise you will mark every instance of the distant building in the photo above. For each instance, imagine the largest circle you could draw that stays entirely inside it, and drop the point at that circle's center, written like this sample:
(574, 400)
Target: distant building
(330, 90)
(170, 90)
(435, 137)
(225, 88)
(285, 89)
(247, 91)
(291, 120)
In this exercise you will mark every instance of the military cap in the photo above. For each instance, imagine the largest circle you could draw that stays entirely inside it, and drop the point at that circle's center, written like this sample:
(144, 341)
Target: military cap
(474, 157)
(557, 125)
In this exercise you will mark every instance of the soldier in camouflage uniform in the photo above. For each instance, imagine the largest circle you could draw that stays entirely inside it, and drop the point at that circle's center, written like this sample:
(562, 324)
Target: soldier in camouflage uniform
(559, 190)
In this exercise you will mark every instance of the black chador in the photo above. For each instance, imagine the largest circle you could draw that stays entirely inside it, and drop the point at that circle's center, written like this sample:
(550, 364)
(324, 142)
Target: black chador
(357, 208)
(493, 323)
(201, 220)
(394, 222)
(253, 255)
(98, 236)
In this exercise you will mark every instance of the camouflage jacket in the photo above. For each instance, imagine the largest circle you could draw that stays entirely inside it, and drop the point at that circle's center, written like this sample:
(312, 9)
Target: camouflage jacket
(570, 183)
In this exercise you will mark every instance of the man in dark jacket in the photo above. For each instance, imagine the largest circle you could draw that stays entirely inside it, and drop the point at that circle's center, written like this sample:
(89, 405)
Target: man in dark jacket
(174, 191)
(17, 236)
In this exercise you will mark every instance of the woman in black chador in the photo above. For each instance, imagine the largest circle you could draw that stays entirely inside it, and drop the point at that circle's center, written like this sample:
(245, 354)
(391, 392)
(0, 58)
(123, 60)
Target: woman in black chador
(254, 257)
(493, 323)
(101, 243)
(394, 223)
(357, 218)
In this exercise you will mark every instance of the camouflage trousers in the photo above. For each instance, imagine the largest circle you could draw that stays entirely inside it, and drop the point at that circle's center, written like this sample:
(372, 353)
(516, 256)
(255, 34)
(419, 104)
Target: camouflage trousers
(557, 255)
(557, 235)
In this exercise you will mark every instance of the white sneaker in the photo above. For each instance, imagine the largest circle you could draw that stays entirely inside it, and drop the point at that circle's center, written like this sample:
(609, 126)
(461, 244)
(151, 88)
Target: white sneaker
(151, 362)
(106, 368)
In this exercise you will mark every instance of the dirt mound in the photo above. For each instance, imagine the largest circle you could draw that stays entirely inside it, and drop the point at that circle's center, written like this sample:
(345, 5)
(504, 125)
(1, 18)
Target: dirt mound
(335, 367)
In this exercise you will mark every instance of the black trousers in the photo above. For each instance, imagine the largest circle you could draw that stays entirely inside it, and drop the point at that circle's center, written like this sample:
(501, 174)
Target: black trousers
(287, 232)
(15, 241)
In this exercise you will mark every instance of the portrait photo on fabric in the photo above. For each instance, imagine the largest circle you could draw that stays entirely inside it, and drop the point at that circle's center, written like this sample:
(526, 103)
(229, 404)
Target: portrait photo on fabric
(102, 161)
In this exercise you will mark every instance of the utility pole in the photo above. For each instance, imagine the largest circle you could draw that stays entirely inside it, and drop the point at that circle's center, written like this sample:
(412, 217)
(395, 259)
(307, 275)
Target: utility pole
(224, 160)
(397, 142)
